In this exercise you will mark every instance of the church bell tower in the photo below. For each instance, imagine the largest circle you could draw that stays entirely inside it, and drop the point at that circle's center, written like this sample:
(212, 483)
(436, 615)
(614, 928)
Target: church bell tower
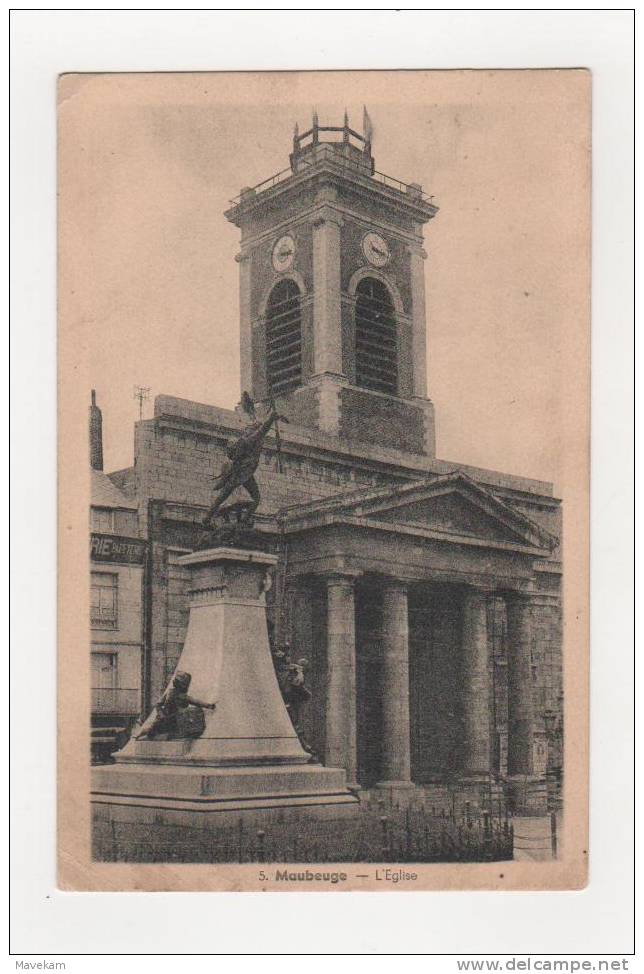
(332, 293)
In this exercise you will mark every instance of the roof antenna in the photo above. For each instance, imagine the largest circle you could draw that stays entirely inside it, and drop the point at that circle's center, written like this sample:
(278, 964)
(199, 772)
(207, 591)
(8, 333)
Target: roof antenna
(142, 393)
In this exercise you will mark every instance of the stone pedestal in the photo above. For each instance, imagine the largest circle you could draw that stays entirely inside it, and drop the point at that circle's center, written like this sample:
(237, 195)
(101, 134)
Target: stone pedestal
(248, 755)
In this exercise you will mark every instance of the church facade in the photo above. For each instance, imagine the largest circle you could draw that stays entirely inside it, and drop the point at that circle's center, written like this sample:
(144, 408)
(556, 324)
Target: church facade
(425, 594)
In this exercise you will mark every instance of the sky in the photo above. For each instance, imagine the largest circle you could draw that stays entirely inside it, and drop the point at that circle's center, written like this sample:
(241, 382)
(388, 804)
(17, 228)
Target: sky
(148, 164)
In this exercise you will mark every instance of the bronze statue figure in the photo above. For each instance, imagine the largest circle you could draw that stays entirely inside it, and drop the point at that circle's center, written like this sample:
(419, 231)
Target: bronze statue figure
(291, 678)
(176, 715)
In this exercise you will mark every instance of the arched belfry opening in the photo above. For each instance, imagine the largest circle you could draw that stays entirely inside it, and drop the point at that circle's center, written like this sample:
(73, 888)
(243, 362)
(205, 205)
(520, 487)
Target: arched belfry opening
(376, 338)
(284, 338)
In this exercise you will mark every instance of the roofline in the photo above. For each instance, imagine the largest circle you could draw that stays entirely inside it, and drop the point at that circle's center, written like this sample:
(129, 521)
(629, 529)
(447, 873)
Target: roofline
(205, 418)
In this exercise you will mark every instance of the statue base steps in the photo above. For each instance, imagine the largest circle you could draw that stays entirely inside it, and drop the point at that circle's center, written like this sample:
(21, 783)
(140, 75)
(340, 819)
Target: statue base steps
(210, 789)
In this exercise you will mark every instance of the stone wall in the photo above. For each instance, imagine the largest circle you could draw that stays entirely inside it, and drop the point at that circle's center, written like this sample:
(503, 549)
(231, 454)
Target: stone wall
(179, 453)
(389, 422)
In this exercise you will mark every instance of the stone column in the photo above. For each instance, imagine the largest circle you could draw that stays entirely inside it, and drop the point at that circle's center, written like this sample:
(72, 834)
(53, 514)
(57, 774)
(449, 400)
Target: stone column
(327, 324)
(476, 693)
(396, 751)
(520, 707)
(340, 739)
(527, 792)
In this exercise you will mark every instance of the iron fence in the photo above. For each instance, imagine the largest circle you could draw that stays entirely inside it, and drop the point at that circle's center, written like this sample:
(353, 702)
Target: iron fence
(379, 832)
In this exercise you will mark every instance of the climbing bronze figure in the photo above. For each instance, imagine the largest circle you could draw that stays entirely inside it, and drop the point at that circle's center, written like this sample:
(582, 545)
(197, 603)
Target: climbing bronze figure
(242, 459)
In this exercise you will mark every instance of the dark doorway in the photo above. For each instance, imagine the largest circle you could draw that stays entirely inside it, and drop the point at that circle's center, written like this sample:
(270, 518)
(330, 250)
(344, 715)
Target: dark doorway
(369, 687)
(434, 678)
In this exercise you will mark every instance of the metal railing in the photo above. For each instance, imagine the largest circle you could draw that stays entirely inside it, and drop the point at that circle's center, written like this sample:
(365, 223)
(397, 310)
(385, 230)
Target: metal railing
(116, 700)
(380, 831)
(326, 152)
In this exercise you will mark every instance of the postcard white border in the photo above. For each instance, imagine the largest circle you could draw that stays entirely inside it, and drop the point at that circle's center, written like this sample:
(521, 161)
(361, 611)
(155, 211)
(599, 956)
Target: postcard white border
(45, 920)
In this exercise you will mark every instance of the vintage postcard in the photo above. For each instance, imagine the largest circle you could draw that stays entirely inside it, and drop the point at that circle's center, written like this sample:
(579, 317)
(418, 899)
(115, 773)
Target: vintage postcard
(324, 442)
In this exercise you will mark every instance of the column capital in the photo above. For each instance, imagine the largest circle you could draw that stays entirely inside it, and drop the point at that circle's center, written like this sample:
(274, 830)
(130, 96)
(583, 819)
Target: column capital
(519, 599)
(392, 584)
(478, 591)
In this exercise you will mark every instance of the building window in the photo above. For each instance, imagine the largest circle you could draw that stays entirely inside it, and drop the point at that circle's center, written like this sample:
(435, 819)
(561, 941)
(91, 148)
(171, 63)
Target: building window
(284, 338)
(104, 671)
(104, 601)
(108, 696)
(376, 339)
(102, 520)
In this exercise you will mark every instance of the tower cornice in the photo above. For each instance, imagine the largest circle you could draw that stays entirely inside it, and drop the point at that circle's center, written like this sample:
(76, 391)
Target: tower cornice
(409, 237)
(331, 171)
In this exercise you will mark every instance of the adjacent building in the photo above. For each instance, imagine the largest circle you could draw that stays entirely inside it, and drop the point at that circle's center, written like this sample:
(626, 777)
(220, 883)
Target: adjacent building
(117, 559)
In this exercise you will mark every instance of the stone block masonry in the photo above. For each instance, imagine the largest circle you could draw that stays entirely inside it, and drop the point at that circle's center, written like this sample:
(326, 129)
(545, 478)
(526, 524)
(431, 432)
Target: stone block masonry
(383, 420)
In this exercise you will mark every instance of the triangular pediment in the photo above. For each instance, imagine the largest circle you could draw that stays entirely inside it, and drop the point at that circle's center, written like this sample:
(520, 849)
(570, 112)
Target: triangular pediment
(453, 506)
(451, 513)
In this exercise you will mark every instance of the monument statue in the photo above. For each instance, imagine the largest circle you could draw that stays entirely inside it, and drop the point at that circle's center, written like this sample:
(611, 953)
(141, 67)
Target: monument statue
(239, 754)
(176, 715)
(242, 458)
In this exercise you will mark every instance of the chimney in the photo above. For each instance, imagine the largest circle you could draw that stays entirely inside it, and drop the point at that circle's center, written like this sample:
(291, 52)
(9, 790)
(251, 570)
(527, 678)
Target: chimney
(95, 435)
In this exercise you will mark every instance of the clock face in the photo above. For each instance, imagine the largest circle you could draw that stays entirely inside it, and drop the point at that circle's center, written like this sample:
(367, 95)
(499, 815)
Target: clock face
(284, 253)
(376, 249)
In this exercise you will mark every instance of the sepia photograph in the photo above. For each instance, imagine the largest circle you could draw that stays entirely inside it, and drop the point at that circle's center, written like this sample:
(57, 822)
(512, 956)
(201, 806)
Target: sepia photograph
(325, 336)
